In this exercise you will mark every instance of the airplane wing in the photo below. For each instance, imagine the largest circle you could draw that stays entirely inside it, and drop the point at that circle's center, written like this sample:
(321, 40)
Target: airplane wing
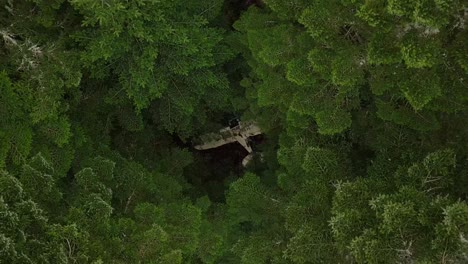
(229, 135)
(215, 143)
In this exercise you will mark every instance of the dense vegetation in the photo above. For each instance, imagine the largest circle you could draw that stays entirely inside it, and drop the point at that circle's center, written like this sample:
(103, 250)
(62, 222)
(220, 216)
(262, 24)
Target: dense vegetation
(363, 104)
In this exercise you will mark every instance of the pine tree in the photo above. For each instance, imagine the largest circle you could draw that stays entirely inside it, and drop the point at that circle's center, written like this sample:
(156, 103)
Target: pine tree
(160, 57)
(393, 221)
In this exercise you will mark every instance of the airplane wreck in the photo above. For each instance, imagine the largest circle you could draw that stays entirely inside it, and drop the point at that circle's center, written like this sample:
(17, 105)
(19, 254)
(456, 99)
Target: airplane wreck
(237, 132)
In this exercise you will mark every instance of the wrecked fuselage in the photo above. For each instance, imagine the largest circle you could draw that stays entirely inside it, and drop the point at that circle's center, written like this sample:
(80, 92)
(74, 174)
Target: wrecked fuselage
(239, 133)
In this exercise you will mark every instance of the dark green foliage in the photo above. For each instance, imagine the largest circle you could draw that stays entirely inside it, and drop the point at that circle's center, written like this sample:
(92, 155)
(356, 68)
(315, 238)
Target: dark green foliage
(405, 217)
(360, 89)
(16, 131)
(362, 106)
(159, 55)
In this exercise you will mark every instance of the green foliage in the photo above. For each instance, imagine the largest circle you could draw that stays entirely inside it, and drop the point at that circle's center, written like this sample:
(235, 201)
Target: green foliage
(406, 219)
(335, 121)
(383, 49)
(319, 161)
(24, 233)
(362, 106)
(287, 9)
(299, 72)
(400, 7)
(374, 13)
(419, 52)
(347, 68)
(461, 50)
(250, 201)
(39, 181)
(420, 88)
(322, 19)
(15, 132)
(159, 56)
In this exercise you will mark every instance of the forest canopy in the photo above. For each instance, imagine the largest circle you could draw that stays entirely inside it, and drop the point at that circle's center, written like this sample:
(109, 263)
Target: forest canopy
(362, 105)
